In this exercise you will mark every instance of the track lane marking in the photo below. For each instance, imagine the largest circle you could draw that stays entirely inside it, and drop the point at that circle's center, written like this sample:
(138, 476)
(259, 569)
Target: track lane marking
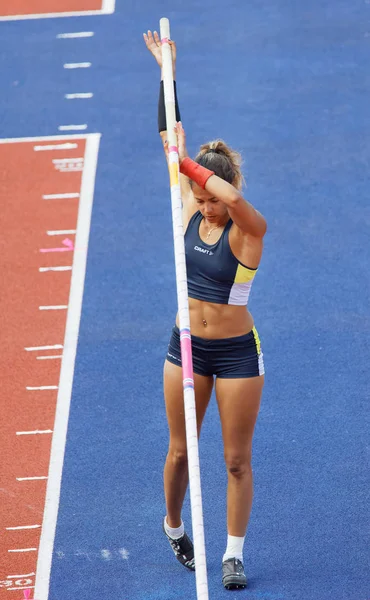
(42, 388)
(37, 431)
(39, 477)
(82, 65)
(23, 550)
(50, 147)
(72, 127)
(55, 347)
(20, 576)
(55, 307)
(77, 34)
(77, 95)
(22, 527)
(61, 231)
(26, 587)
(46, 269)
(60, 196)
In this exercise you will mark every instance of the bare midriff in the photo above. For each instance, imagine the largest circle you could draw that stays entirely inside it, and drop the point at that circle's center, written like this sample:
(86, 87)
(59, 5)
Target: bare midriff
(216, 321)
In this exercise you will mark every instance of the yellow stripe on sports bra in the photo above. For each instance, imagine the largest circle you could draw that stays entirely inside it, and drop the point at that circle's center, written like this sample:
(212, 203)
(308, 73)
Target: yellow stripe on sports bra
(243, 274)
(257, 340)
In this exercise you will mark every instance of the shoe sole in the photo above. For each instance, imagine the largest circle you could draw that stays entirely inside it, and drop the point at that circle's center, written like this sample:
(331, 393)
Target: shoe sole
(234, 585)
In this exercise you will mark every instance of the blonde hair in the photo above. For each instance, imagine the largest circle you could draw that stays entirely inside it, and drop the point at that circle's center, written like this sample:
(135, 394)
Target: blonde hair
(223, 160)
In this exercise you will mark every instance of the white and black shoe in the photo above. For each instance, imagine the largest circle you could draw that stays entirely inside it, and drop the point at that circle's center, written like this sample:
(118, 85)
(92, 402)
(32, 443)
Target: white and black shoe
(183, 549)
(233, 576)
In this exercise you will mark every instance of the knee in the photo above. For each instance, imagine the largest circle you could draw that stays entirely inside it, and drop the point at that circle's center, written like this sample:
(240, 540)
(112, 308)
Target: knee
(178, 457)
(238, 466)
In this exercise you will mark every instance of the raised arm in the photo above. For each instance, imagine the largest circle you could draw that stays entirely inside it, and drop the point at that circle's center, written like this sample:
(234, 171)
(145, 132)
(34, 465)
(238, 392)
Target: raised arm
(242, 212)
(244, 215)
(153, 43)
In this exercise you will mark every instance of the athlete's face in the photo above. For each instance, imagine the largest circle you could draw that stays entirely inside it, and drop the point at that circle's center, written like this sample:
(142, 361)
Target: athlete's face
(211, 208)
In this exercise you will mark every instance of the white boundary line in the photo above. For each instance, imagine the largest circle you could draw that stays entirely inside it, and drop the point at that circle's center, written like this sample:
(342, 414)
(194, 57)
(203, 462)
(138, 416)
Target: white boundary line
(108, 8)
(67, 370)
(46, 138)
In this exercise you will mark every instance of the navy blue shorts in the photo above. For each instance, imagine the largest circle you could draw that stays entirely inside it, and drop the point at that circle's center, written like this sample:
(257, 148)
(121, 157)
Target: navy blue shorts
(228, 358)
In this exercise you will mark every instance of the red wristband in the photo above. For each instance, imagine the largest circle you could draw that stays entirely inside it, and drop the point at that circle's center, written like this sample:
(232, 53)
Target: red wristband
(195, 172)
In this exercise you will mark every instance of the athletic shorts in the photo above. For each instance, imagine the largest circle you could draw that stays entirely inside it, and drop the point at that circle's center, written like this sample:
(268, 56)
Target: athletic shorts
(228, 358)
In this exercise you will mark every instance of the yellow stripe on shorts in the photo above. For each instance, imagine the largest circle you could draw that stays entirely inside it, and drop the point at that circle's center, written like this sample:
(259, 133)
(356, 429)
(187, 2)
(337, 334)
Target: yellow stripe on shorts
(257, 340)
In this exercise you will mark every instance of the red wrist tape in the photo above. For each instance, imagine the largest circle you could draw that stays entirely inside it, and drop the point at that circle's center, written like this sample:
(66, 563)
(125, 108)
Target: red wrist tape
(195, 172)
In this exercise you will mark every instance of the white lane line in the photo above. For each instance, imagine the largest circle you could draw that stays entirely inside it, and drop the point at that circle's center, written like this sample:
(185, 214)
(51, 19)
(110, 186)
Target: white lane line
(55, 347)
(82, 65)
(66, 146)
(56, 307)
(24, 550)
(20, 576)
(42, 388)
(78, 95)
(75, 136)
(61, 231)
(60, 196)
(26, 587)
(80, 13)
(67, 160)
(69, 169)
(37, 431)
(45, 269)
(78, 34)
(31, 478)
(45, 553)
(108, 7)
(49, 357)
(72, 127)
(23, 527)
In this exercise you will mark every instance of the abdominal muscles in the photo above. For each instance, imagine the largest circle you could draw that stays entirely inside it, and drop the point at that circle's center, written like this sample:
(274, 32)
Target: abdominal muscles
(216, 321)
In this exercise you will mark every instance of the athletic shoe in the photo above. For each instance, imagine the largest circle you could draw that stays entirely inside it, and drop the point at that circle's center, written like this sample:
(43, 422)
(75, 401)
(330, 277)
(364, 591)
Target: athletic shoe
(233, 576)
(183, 549)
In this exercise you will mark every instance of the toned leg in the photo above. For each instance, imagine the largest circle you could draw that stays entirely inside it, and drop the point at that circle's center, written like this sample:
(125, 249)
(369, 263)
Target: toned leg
(238, 401)
(176, 466)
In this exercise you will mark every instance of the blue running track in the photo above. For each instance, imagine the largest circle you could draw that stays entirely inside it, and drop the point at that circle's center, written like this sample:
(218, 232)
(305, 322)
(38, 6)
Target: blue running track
(288, 84)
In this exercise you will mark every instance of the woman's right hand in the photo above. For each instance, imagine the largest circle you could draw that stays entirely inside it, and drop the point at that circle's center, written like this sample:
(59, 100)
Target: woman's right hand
(153, 43)
(181, 141)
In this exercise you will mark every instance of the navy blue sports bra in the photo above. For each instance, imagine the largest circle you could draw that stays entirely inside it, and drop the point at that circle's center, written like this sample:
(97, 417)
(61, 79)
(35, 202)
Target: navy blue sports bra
(214, 273)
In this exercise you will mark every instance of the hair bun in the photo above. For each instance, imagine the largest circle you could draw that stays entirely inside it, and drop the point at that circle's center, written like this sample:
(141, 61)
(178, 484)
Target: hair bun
(223, 160)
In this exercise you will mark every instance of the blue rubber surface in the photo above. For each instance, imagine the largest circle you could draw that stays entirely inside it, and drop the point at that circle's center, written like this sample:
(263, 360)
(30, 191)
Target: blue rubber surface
(288, 84)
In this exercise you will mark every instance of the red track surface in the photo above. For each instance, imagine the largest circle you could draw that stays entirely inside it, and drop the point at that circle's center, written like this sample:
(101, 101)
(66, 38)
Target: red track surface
(27, 175)
(28, 7)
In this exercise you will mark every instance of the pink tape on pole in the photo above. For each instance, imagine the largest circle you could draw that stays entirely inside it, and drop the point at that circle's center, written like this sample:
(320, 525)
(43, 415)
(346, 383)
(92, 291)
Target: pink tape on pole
(186, 358)
(26, 594)
(164, 40)
(173, 149)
